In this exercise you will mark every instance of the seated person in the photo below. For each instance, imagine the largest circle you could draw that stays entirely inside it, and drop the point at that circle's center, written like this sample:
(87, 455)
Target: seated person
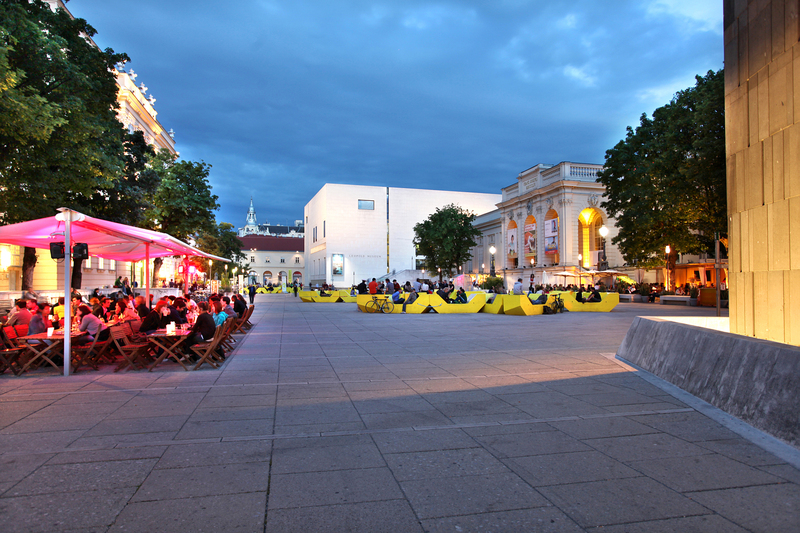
(410, 299)
(540, 300)
(22, 316)
(40, 322)
(153, 319)
(461, 296)
(90, 324)
(397, 297)
(444, 294)
(592, 298)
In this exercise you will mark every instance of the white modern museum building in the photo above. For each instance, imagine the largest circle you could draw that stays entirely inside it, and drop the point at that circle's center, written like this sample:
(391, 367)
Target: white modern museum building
(356, 232)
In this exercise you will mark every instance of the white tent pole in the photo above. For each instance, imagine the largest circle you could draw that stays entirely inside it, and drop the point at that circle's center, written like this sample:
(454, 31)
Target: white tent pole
(147, 274)
(67, 291)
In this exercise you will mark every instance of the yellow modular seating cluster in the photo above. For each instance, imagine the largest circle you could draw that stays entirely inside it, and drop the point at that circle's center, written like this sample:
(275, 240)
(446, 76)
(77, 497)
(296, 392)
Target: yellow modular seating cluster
(508, 304)
(608, 302)
(522, 305)
(314, 296)
(420, 305)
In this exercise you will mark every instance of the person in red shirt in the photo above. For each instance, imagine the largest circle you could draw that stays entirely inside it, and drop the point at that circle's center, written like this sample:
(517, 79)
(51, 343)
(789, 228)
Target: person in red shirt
(373, 286)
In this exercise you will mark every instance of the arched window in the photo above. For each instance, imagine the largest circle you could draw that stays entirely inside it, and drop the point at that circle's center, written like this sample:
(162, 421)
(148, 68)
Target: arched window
(529, 241)
(551, 241)
(590, 243)
(267, 277)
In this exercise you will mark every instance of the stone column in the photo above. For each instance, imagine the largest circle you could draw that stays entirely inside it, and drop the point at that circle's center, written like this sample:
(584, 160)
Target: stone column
(762, 112)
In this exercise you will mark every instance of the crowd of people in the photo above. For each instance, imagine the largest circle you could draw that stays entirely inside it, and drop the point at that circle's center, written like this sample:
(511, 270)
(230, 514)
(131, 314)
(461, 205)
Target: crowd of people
(95, 314)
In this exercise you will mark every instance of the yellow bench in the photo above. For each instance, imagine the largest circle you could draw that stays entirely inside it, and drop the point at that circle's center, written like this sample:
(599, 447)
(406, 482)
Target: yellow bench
(609, 301)
(345, 296)
(475, 303)
(496, 306)
(521, 305)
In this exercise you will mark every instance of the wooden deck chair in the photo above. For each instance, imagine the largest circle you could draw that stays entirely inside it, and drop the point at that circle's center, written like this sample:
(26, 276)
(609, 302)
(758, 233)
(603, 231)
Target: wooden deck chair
(207, 350)
(246, 318)
(9, 356)
(228, 340)
(89, 354)
(240, 326)
(133, 354)
(21, 329)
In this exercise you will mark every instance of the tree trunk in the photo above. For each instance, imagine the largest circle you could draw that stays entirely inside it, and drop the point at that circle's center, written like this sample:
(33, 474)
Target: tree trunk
(156, 269)
(77, 274)
(28, 263)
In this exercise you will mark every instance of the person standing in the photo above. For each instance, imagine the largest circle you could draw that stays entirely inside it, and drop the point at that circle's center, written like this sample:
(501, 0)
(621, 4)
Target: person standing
(295, 288)
(251, 290)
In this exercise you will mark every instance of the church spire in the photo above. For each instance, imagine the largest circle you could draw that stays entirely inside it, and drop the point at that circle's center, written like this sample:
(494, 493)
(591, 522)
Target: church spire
(251, 214)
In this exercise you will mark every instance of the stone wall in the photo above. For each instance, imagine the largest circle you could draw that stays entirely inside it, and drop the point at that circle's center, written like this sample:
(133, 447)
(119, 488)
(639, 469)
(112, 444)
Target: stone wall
(754, 380)
(762, 106)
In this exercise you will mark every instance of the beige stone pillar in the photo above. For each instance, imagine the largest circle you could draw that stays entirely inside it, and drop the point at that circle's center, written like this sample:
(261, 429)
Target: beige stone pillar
(762, 106)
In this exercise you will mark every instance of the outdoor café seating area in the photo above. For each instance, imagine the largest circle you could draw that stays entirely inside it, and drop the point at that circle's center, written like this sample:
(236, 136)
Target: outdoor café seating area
(124, 348)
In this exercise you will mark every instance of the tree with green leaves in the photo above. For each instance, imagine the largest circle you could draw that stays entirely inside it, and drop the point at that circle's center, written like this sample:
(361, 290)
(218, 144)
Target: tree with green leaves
(665, 182)
(183, 204)
(221, 240)
(445, 239)
(59, 135)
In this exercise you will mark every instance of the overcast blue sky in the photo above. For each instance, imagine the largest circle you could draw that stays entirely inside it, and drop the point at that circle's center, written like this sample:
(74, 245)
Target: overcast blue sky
(282, 97)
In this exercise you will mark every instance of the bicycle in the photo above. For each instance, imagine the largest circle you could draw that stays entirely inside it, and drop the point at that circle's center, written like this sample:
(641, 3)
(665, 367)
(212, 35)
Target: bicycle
(383, 305)
(558, 304)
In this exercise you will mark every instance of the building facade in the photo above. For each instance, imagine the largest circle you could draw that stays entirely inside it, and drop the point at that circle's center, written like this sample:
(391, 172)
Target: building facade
(548, 221)
(273, 259)
(358, 232)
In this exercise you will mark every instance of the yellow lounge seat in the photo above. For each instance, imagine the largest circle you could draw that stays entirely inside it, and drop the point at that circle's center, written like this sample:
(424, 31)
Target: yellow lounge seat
(496, 306)
(345, 296)
(307, 296)
(521, 305)
(475, 303)
(332, 298)
(609, 301)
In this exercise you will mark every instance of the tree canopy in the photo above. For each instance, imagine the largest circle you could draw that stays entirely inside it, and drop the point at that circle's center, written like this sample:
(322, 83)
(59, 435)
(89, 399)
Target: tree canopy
(59, 134)
(445, 239)
(665, 182)
(221, 240)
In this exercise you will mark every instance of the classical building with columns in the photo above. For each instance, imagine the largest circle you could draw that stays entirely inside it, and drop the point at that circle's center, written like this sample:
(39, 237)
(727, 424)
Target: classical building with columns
(548, 221)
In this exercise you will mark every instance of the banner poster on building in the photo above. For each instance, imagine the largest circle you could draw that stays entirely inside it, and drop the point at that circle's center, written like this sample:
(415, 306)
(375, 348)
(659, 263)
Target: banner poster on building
(337, 264)
(551, 236)
(530, 240)
(512, 243)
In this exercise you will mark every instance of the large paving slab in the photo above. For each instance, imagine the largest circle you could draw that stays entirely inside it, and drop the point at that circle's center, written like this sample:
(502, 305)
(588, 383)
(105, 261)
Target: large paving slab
(327, 419)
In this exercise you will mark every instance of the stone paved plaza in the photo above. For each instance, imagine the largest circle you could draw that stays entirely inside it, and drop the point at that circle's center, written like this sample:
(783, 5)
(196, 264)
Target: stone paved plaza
(329, 420)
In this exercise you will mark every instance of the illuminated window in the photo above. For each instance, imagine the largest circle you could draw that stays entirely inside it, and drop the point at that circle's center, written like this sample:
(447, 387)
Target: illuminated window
(100, 263)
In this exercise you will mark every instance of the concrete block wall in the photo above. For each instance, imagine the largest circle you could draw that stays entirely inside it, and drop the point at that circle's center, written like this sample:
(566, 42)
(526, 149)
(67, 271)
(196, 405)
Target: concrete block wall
(762, 106)
(754, 380)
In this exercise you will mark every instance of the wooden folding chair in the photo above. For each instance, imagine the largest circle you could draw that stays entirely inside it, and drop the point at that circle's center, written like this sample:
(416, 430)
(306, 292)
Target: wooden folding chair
(89, 354)
(228, 341)
(9, 356)
(207, 351)
(247, 323)
(133, 354)
(240, 325)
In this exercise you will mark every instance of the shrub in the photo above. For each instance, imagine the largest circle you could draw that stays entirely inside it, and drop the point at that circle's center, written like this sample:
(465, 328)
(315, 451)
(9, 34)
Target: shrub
(492, 282)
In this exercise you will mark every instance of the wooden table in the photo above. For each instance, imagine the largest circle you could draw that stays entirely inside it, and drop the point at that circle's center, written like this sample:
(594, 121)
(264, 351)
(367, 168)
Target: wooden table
(44, 347)
(168, 343)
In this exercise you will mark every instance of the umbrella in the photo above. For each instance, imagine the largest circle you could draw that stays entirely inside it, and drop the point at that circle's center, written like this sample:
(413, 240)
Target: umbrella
(109, 240)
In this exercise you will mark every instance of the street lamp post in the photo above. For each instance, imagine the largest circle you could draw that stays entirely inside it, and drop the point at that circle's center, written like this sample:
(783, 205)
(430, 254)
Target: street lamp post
(666, 264)
(580, 261)
(604, 263)
(492, 250)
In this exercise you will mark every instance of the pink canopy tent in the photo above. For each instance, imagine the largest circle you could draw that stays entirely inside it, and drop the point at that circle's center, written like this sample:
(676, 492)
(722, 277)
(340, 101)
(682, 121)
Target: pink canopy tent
(108, 240)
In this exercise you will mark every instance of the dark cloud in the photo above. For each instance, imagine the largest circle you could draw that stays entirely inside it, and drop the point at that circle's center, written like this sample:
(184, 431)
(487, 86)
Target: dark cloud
(282, 97)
